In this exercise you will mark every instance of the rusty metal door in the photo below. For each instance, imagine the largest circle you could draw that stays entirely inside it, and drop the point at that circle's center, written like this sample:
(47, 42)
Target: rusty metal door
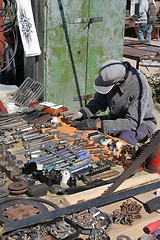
(79, 36)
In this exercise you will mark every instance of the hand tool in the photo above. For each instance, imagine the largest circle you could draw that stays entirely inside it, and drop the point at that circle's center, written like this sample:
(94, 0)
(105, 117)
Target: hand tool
(70, 152)
(143, 155)
(38, 140)
(66, 163)
(13, 125)
(101, 201)
(156, 233)
(55, 145)
(31, 136)
(83, 158)
(51, 161)
(24, 129)
(55, 152)
(7, 141)
(150, 228)
(77, 153)
(6, 121)
(49, 142)
(25, 134)
(76, 169)
(28, 152)
(41, 159)
(152, 205)
(98, 202)
(104, 175)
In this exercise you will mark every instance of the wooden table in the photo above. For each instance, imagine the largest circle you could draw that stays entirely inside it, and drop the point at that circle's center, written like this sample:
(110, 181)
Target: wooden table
(140, 51)
(136, 229)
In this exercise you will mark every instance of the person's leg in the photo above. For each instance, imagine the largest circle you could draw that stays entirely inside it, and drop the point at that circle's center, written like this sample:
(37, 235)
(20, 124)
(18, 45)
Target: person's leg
(141, 134)
(149, 29)
(128, 136)
(141, 30)
(132, 137)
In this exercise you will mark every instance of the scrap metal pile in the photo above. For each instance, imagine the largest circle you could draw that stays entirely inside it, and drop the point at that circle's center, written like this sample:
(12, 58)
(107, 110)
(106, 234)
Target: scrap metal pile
(34, 149)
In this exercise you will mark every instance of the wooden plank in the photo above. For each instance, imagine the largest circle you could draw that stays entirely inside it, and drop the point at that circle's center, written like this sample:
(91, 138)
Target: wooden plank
(135, 231)
(96, 192)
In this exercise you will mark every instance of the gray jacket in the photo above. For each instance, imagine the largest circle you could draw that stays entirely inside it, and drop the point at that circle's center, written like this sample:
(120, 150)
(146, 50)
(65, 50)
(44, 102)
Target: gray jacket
(130, 105)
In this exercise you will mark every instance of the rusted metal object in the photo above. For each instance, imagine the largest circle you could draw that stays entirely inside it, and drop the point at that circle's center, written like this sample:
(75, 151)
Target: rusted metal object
(127, 213)
(18, 187)
(98, 202)
(3, 193)
(20, 211)
(16, 209)
(140, 51)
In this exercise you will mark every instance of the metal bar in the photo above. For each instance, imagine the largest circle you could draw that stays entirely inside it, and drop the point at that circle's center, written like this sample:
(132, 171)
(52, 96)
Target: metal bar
(65, 28)
(149, 148)
(86, 20)
(28, 92)
(96, 202)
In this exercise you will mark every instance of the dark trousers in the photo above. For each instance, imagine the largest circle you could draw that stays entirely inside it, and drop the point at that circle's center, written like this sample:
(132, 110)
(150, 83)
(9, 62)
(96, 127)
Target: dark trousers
(132, 137)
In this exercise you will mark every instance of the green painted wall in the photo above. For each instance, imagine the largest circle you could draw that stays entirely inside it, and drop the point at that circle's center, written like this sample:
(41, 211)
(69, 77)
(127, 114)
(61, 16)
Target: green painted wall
(90, 46)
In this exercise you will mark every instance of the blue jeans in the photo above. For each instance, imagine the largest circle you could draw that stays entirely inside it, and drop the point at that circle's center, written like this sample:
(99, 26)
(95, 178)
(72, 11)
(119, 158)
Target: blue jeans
(145, 28)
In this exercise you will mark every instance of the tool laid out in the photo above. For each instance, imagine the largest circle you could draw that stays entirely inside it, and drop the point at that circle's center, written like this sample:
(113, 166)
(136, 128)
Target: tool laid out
(147, 150)
(58, 157)
(100, 201)
(49, 149)
(69, 161)
(128, 212)
(152, 205)
(150, 228)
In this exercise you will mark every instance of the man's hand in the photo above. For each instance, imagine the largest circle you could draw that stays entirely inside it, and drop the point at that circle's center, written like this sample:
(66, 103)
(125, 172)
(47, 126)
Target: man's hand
(74, 115)
(85, 124)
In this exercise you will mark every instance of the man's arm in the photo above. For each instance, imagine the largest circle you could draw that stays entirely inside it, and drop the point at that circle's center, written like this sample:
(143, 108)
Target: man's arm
(95, 106)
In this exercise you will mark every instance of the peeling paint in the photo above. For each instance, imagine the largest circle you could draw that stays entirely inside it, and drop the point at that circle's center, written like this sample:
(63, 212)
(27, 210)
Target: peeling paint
(104, 40)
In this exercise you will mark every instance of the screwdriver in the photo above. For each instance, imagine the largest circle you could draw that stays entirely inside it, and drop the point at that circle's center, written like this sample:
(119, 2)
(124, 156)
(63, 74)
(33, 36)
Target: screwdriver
(150, 228)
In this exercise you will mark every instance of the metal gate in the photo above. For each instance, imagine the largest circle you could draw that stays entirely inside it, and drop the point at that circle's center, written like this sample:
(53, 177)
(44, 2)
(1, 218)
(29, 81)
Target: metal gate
(79, 36)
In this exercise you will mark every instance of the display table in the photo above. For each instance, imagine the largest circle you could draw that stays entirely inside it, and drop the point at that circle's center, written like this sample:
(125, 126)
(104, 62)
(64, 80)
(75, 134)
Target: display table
(92, 197)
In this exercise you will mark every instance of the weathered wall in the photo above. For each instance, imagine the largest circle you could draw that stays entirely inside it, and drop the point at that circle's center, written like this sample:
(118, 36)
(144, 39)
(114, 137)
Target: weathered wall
(67, 72)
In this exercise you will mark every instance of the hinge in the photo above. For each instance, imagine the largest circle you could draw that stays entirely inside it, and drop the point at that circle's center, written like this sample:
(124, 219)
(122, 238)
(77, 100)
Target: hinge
(84, 97)
(86, 20)
(45, 55)
(46, 3)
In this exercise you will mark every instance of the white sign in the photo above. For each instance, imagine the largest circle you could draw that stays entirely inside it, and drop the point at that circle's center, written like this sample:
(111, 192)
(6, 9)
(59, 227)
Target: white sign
(27, 28)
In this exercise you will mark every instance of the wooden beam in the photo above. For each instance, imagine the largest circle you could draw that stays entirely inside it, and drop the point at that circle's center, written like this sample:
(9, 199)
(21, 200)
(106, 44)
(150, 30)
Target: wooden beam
(97, 192)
